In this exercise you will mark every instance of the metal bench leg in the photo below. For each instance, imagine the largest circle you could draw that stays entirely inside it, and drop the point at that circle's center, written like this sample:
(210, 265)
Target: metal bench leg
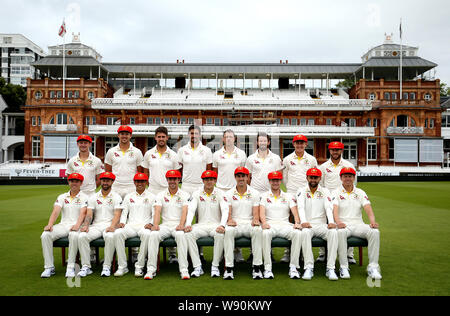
(159, 261)
(360, 256)
(63, 255)
(97, 256)
(130, 256)
(114, 263)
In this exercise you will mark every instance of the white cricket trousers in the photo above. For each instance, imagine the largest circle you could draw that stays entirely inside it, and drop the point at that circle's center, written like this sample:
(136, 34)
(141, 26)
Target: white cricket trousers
(362, 231)
(205, 230)
(283, 230)
(156, 236)
(322, 231)
(190, 188)
(123, 190)
(130, 231)
(155, 189)
(243, 230)
(47, 239)
(96, 231)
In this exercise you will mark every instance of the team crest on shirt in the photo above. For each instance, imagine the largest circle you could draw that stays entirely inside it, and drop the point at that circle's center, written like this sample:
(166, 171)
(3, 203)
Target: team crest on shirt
(179, 201)
(213, 198)
(146, 201)
(90, 163)
(110, 202)
(77, 201)
(131, 154)
(319, 195)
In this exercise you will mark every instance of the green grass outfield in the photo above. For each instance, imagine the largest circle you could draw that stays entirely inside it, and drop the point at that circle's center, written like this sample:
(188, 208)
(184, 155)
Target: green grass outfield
(414, 222)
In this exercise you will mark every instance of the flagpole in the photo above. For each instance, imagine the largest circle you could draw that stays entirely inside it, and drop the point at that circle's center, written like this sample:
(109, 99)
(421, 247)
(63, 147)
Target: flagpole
(64, 66)
(401, 62)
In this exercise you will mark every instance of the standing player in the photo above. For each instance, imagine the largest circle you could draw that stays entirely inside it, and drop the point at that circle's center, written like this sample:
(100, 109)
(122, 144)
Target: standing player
(158, 160)
(315, 207)
(105, 208)
(347, 204)
(194, 158)
(332, 181)
(86, 164)
(72, 205)
(294, 173)
(261, 163)
(172, 206)
(212, 216)
(243, 220)
(124, 160)
(135, 220)
(275, 207)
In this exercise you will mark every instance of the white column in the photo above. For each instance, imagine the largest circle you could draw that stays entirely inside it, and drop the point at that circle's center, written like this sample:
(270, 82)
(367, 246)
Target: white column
(6, 124)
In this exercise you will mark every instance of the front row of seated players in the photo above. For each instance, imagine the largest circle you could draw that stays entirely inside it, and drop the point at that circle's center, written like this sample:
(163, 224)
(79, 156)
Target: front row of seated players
(241, 211)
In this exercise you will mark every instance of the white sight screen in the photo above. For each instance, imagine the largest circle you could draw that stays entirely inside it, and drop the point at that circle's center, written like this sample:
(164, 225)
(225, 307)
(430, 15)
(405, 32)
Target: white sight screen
(56, 147)
(406, 150)
(431, 150)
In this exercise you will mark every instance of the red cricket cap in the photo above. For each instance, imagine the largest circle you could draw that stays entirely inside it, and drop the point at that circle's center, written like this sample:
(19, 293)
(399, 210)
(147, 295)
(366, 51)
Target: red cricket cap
(84, 137)
(300, 138)
(125, 128)
(107, 175)
(314, 172)
(336, 145)
(241, 170)
(276, 175)
(173, 174)
(140, 177)
(347, 171)
(209, 174)
(75, 176)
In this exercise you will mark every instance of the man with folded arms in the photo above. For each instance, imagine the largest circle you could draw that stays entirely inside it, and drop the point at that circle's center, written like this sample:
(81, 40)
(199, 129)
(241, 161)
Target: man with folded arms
(275, 207)
(72, 205)
(135, 220)
(212, 215)
(315, 208)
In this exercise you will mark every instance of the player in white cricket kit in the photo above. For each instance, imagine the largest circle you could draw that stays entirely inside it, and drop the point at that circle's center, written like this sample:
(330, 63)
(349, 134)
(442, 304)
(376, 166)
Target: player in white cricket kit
(347, 204)
(261, 163)
(243, 221)
(86, 164)
(124, 160)
(105, 208)
(135, 220)
(275, 207)
(158, 160)
(331, 180)
(172, 206)
(226, 160)
(212, 216)
(72, 206)
(316, 209)
(294, 173)
(194, 158)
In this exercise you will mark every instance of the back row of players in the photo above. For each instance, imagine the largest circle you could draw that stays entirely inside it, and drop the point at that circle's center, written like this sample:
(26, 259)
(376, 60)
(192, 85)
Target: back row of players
(323, 201)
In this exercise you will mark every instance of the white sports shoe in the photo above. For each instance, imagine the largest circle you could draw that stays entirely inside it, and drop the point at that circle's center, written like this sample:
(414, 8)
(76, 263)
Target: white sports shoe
(48, 273)
(331, 275)
(70, 273)
(257, 275)
(138, 273)
(215, 272)
(150, 275)
(228, 274)
(293, 273)
(286, 256)
(351, 260)
(374, 273)
(238, 256)
(308, 274)
(185, 275)
(121, 272)
(84, 271)
(268, 274)
(344, 273)
(106, 272)
(197, 272)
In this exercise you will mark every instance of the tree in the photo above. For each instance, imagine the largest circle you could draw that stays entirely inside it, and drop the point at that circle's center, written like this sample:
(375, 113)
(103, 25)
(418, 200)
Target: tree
(445, 91)
(14, 95)
(347, 83)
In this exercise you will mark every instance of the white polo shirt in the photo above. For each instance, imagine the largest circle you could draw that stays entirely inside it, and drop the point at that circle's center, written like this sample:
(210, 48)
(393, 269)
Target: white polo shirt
(226, 164)
(330, 173)
(294, 172)
(260, 169)
(158, 164)
(350, 204)
(70, 207)
(103, 206)
(210, 208)
(194, 162)
(315, 208)
(242, 205)
(171, 205)
(137, 208)
(124, 164)
(89, 169)
(277, 209)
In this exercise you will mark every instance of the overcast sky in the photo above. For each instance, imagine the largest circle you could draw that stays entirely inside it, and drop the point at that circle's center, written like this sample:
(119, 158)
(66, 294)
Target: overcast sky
(236, 30)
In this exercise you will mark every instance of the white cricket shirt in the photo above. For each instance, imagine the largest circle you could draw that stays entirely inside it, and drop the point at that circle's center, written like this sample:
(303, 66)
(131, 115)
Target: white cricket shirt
(103, 206)
(242, 205)
(330, 173)
(210, 208)
(171, 205)
(158, 164)
(260, 169)
(70, 207)
(124, 164)
(315, 208)
(194, 162)
(226, 164)
(277, 209)
(89, 169)
(137, 208)
(350, 204)
(295, 168)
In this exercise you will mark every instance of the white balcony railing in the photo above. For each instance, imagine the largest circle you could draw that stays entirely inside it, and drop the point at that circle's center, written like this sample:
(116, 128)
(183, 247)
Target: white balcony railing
(59, 128)
(405, 130)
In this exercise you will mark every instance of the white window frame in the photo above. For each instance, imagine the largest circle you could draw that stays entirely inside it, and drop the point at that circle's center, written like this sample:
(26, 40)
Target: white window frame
(372, 148)
(35, 146)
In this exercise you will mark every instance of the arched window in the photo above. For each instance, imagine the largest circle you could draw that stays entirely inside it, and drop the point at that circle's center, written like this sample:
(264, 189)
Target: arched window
(402, 121)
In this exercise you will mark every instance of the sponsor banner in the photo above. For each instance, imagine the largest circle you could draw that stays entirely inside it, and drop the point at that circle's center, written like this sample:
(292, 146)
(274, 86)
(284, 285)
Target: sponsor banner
(24, 172)
(378, 174)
